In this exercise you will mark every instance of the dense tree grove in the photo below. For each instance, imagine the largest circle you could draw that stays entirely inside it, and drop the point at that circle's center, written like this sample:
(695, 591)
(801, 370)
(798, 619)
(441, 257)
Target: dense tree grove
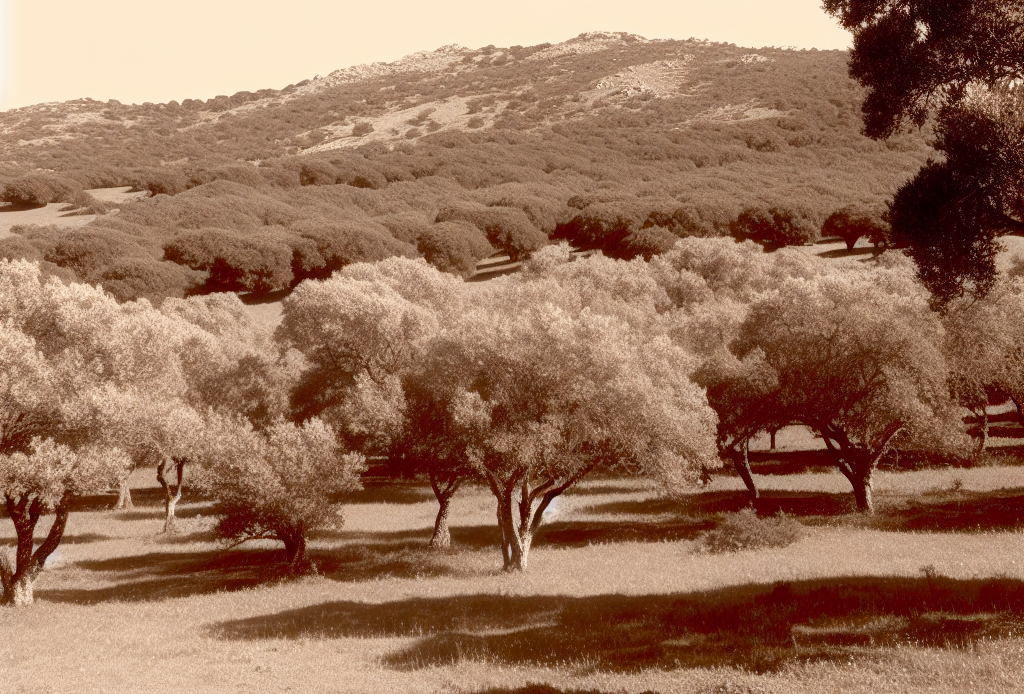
(526, 384)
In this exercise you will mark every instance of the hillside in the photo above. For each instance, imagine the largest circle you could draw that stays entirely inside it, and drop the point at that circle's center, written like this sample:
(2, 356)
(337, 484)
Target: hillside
(609, 140)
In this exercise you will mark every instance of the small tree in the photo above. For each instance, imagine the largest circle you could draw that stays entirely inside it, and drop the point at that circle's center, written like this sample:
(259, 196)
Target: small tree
(740, 392)
(280, 483)
(773, 228)
(364, 333)
(851, 225)
(985, 349)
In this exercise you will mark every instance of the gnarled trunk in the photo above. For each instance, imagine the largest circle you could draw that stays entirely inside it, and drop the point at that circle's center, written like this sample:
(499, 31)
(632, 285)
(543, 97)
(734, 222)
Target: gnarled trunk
(16, 581)
(442, 537)
(862, 492)
(520, 518)
(443, 490)
(857, 462)
(172, 491)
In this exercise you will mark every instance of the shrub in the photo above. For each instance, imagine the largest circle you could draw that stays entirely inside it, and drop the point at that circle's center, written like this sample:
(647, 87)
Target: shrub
(454, 247)
(87, 251)
(83, 203)
(162, 181)
(279, 484)
(773, 228)
(361, 129)
(317, 173)
(850, 224)
(647, 243)
(745, 530)
(39, 189)
(331, 247)
(15, 247)
(506, 228)
(128, 279)
(236, 262)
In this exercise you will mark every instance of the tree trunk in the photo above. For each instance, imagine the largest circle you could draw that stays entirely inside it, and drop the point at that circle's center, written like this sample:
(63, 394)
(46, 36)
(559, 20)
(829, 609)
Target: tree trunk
(124, 496)
(741, 460)
(294, 549)
(983, 433)
(860, 479)
(172, 493)
(24, 513)
(771, 436)
(442, 538)
(21, 593)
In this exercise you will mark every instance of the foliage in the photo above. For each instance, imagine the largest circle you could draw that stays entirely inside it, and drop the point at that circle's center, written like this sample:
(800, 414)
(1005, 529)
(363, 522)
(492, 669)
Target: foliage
(851, 224)
(965, 63)
(545, 395)
(39, 189)
(454, 247)
(62, 425)
(745, 530)
(985, 349)
(773, 227)
(917, 54)
(235, 262)
(951, 213)
(507, 229)
(279, 483)
(859, 359)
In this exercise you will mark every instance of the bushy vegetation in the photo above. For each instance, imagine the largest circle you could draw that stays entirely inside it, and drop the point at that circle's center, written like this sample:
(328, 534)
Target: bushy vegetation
(624, 176)
(745, 530)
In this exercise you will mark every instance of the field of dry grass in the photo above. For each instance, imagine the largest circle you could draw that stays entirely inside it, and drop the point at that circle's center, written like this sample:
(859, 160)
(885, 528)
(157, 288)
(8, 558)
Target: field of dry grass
(926, 596)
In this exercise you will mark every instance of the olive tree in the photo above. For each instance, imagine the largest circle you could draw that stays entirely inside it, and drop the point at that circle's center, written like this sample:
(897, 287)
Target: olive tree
(42, 480)
(67, 351)
(277, 483)
(363, 334)
(545, 395)
(859, 360)
(985, 349)
(230, 364)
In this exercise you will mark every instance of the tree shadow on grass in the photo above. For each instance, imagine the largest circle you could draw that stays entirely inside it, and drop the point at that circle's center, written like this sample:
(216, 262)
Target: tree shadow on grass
(844, 253)
(163, 575)
(699, 507)
(756, 627)
(77, 539)
(955, 511)
(553, 533)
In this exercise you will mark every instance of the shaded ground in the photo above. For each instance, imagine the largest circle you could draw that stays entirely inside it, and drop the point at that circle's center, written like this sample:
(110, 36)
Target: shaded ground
(754, 627)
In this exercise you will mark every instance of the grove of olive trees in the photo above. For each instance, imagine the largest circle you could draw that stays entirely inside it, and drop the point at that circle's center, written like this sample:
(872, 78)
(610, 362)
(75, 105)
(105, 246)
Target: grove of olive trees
(526, 384)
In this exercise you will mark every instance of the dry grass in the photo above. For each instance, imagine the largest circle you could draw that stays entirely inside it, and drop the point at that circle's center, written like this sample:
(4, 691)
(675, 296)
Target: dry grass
(615, 599)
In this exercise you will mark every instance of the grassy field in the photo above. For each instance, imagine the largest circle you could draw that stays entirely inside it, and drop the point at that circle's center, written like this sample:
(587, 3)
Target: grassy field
(925, 596)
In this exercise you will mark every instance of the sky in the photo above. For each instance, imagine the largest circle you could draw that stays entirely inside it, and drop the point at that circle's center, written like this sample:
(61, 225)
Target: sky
(138, 51)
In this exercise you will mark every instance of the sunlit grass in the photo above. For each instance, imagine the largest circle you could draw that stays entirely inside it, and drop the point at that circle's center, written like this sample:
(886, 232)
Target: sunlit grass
(614, 600)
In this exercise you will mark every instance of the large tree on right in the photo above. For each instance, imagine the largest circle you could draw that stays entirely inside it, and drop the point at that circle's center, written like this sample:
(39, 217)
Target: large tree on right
(962, 61)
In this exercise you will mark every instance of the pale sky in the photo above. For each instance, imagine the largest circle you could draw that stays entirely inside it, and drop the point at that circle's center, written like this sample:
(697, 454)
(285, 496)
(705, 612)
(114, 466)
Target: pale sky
(136, 51)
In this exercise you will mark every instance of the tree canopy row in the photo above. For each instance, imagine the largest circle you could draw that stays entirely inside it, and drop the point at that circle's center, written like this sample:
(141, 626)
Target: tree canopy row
(661, 368)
